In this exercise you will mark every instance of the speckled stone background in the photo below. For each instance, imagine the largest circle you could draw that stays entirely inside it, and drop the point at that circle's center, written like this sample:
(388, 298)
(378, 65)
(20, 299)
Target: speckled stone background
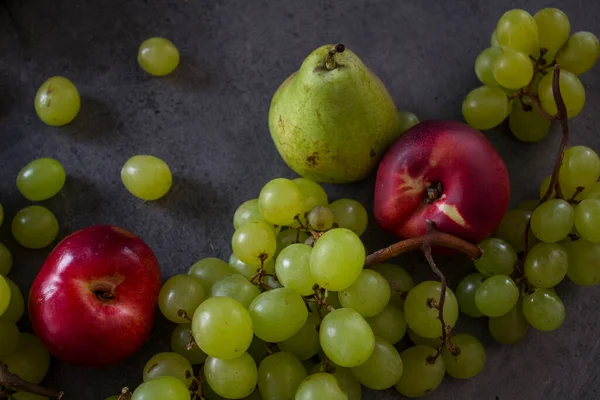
(208, 121)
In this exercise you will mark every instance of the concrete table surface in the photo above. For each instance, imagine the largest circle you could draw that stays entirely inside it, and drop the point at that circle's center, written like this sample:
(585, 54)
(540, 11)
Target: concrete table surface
(208, 121)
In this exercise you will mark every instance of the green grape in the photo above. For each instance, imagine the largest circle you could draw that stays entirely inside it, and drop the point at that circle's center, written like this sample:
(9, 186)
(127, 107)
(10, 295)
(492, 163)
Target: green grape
(279, 376)
(498, 257)
(470, 359)
(182, 338)
(158, 56)
(34, 227)
(313, 193)
(258, 350)
(407, 121)
(382, 370)
(553, 220)
(369, 294)
(529, 125)
(305, 343)
(180, 292)
(546, 265)
(211, 270)
(4, 295)
(590, 192)
(146, 177)
(512, 69)
(465, 294)
(486, 107)
(320, 386)
(400, 282)
(337, 259)
(237, 287)
(528, 205)
(169, 364)
(6, 260)
(580, 167)
(278, 314)
(509, 328)
(544, 310)
(420, 376)
(287, 237)
(41, 179)
(309, 365)
(583, 261)
(554, 28)
(233, 379)
(420, 340)
(518, 31)
(280, 201)
(254, 243)
(580, 53)
(421, 316)
(222, 327)
(57, 101)
(246, 212)
(31, 396)
(484, 65)
(320, 218)
(30, 361)
(571, 89)
(346, 338)
(16, 306)
(512, 229)
(9, 336)
(293, 268)
(494, 40)
(350, 214)
(567, 190)
(332, 300)
(247, 271)
(389, 324)
(165, 387)
(496, 296)
(348, 383)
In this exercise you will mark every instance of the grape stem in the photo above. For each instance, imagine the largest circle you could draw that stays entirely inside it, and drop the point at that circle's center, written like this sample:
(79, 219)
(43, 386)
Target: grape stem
(11, 381)
(125, 394)
(306, 228)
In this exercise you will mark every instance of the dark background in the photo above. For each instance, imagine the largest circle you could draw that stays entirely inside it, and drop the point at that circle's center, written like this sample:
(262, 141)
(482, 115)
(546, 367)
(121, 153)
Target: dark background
(208, 121)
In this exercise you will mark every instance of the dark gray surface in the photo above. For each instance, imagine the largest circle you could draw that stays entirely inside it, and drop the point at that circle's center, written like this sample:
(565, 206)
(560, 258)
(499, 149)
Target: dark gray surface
(208, 121)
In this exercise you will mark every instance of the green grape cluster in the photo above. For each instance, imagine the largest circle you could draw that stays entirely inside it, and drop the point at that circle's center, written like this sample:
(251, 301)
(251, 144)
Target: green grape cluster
(517, 69)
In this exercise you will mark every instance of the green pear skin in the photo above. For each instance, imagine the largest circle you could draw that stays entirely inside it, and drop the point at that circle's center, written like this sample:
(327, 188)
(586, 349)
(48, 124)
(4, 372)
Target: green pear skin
(333, 119)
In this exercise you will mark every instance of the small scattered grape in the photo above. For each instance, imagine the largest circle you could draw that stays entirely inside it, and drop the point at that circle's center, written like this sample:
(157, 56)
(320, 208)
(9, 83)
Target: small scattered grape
(350, 214)
(41, 179)
(486, 107)
(320, 218)
(420, 376)
(512, 69)
(146, 177)
(211, 270)
(180, 292)
(279, 376)
(369, 294)
(305, 343)
(169, 364)
(484, 65)
(509, 328)
(234, 378)
(293, 268)
(383, 369)
(407, 121)
(320, 386)
(254, 243)
(544, 310)
(498, 257)
(465, 294)
(16, 306)
(346, 338)
(421, 316)
(554, 28)
(280, 201)
(517, 30)
(30, 361)
(180, 339)
(583, 261)
(9, 336)
(571, 89)
(158, 56)
(34, 227)
(278, 314)
(580, 53)
(546, 265)
(496, 296)
(389, 324)
(529, 125)
(400, 282)
(470, 359)
(553, 220)
(57, 101)
(165, 387)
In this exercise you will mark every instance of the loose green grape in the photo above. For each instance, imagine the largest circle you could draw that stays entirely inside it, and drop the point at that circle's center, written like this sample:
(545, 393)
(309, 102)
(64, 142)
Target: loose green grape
(407, 121)
(237, 287)
(279, 376)
(346, 338)
(233, 379)
(4, 295)
(420, 314)
(182, 342)
(222, 327)
(470, 359)
(146, 177)
(158, 56)
(400, 282)
(580, 167)
(465, 294)
(512, 69)
(6, 260)
(254, 243)
(320, 386)
(41, 179)
(305, 343)
(287, 237)
(169, 364)
(30, 361)
(247, 271)
(528, 125)
(337, 259)
(369, 294)
(16, 306)
(484, 65)
(350, 214)
(293, 268)
(389, 324)
(512, 229)
(210, 270)
(280, 201)
(383, 369)
(511, 327)
(420, 376)
(518, 31)
(246, 212)
(580, 53)
(57, 101)
(320, 218)
(496, 296)
(553, 220)
(498, 257)
(546, 265)
(571, 89)
(258, 350)
(9, 336)
(34, 227)
(165, 387)
(180, 292)
(486, 107)
(278, 314)
(544, 310)
(554, 28)
(583, 261)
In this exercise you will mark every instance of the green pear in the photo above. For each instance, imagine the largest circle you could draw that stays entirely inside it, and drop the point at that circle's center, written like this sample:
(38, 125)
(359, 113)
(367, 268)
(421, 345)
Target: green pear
(333, 119)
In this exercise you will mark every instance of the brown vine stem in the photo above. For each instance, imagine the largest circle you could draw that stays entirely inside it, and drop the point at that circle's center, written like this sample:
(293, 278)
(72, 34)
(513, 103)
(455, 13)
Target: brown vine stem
(13, 382)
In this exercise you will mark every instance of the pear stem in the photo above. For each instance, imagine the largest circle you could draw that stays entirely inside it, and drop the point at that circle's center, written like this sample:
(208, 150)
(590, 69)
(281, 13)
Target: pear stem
(330, 63)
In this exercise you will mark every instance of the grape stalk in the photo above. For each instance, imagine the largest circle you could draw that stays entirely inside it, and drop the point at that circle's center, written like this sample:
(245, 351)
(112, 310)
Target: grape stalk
(12, 383)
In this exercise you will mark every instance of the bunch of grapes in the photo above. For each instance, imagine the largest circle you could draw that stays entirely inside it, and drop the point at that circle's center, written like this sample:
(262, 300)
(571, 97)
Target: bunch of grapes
(517, 70)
